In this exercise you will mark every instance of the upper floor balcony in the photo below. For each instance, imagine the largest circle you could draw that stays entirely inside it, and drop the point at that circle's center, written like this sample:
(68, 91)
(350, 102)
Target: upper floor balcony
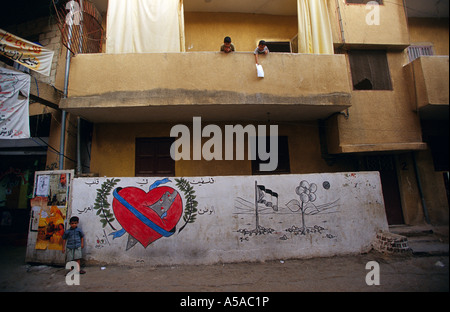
(146, 87)
(431, 86)
(181, 69)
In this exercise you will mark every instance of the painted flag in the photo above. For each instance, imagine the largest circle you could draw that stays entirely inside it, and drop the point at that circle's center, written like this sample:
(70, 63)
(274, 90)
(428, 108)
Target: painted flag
(263, 197)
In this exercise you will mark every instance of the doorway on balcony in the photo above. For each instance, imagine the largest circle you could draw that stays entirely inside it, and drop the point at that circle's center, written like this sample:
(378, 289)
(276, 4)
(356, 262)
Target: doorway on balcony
(279, 46)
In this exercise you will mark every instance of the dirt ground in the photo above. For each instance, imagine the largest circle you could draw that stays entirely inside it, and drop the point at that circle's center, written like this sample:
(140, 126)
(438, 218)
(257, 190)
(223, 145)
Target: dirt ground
(398, 273)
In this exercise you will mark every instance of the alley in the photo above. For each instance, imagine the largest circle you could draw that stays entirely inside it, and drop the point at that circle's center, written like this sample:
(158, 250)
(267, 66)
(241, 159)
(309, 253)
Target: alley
(398, 273)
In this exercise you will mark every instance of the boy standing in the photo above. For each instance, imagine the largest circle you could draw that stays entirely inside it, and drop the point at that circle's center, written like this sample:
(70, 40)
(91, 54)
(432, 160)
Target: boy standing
(261, 49)
(73, 239)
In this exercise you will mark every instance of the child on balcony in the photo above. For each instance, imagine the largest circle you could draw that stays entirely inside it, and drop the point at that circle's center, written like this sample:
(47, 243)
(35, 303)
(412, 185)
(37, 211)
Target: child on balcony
(227, 46)
(261, 49)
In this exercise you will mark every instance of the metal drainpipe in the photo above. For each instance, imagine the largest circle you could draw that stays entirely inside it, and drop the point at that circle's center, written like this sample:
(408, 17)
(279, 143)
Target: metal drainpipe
(64, 114)
(79, 167)
(62, 142)
(419, 185)
(341, 25)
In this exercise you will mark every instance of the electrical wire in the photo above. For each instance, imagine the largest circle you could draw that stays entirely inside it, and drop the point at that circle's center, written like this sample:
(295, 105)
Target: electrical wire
(54, 150)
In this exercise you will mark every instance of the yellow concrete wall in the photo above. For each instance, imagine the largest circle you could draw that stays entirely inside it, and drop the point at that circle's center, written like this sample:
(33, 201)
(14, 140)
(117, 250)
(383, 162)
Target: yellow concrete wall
(304, 86)
(113, 147)
(392, 30)
(380, 120)
(206, 31)
(70, 145)
(286, 74)
(431, 74)
(113, 151)
(423, 31)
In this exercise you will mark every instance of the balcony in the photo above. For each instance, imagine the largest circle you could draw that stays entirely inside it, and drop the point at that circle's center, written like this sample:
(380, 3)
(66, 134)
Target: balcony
(431, 75)
(174, 87)
(368, 26)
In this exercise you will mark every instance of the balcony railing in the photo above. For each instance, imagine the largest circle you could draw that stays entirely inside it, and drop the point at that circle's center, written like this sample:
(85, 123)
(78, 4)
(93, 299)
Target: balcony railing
(431, 75)
(148, 86)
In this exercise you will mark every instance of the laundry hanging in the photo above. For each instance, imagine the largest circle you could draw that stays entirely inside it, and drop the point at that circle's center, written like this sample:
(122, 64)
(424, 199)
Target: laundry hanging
(139, 26)
(314, 27)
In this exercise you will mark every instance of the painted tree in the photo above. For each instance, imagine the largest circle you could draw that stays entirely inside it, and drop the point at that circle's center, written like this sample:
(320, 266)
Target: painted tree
(307, 194)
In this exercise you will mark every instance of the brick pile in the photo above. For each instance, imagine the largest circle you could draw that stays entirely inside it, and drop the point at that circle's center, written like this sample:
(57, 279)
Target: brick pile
(387, 242)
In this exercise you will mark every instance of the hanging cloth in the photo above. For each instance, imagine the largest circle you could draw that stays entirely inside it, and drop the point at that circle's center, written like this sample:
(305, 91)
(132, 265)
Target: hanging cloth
(314, 27)
(140, 26)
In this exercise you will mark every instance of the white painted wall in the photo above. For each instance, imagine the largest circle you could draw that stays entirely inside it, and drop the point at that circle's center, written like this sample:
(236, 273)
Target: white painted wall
(347, 212)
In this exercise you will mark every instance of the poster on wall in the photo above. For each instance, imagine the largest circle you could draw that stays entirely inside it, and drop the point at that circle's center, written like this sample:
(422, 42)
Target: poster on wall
(49, 207)
(42, 185)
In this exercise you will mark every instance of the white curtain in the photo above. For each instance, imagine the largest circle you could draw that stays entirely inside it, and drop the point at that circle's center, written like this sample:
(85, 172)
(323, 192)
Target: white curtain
(314, 27)
(139, 26)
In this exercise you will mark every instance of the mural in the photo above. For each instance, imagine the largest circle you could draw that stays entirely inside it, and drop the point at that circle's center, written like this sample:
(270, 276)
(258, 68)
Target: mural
(202, 220)
(266, 202)
(307, 195)
(145, 216)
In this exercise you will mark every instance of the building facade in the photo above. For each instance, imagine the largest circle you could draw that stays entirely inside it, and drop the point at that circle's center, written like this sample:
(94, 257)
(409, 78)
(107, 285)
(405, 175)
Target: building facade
(378, 102)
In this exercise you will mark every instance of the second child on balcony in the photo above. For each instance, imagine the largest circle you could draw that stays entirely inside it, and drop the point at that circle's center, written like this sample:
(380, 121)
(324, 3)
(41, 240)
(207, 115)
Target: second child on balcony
(261, 49)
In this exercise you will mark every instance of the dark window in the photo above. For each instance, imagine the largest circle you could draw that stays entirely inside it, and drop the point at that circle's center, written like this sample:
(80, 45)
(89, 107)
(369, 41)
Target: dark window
(153, 157)
(279, 46)
(40, 125)
(283, 158)
(370, 70)
(6, 60)
(439, 146)
(362, 1)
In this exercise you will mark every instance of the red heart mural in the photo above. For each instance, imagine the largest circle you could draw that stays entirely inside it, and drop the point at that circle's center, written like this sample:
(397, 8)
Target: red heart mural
(148, 216)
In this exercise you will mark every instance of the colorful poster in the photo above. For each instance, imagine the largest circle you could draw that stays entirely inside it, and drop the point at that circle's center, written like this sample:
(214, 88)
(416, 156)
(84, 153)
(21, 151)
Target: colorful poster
(53, 210)
(14, 94)
(26, 53)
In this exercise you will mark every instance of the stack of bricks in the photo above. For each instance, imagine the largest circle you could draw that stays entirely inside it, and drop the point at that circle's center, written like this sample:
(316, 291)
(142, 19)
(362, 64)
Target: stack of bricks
(391, 243)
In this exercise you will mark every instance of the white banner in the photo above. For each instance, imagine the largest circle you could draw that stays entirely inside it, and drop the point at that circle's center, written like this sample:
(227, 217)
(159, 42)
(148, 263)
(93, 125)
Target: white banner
(26, 53)
(14, 94)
